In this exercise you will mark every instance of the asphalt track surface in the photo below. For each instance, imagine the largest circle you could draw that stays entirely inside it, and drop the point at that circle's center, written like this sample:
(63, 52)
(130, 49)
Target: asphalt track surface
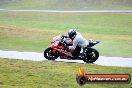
(102, 60)
(72, 11)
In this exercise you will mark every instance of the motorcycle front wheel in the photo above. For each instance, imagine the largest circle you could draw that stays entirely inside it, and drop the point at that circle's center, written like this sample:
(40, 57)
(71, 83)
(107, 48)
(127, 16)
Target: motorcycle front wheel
(48, 54)
(91, 55)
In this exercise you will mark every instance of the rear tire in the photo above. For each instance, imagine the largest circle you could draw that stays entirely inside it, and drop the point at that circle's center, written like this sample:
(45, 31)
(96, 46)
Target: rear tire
(48, 54)
(91, 55)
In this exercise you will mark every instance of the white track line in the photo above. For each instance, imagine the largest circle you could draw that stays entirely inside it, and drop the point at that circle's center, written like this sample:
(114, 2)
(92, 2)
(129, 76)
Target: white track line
(72, 11)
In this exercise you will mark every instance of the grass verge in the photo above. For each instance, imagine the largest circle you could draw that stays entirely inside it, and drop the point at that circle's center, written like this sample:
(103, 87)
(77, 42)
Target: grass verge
(31, 74)
(66, 4)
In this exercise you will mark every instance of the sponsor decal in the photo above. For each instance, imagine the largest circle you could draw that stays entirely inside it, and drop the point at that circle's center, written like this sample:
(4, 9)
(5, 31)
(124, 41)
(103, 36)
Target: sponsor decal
(83, 78)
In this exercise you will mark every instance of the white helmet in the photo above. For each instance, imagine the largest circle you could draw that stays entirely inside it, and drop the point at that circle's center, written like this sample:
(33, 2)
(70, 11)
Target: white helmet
(72, 33)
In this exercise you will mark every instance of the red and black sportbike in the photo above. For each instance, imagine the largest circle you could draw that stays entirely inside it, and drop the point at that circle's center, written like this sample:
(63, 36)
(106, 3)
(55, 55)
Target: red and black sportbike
(58, 49)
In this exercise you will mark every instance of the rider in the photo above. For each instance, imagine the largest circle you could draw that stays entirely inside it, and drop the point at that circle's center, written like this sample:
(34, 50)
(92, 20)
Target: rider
(78, 42)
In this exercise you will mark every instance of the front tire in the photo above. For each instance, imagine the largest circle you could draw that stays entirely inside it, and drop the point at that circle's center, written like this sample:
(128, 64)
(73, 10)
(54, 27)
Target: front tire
(48, 54)
(91, 55)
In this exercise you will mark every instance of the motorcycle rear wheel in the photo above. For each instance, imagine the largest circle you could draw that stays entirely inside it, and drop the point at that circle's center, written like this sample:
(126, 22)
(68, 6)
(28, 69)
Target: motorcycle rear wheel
(48, 54)
(91, 55)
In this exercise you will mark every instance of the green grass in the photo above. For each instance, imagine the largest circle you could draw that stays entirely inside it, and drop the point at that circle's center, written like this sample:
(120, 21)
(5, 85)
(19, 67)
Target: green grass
(30, 74)
(66, 4)
(104, 23)
(32, 31)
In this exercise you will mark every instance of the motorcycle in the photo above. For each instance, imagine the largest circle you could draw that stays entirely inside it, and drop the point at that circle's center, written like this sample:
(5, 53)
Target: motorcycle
(58, 49)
